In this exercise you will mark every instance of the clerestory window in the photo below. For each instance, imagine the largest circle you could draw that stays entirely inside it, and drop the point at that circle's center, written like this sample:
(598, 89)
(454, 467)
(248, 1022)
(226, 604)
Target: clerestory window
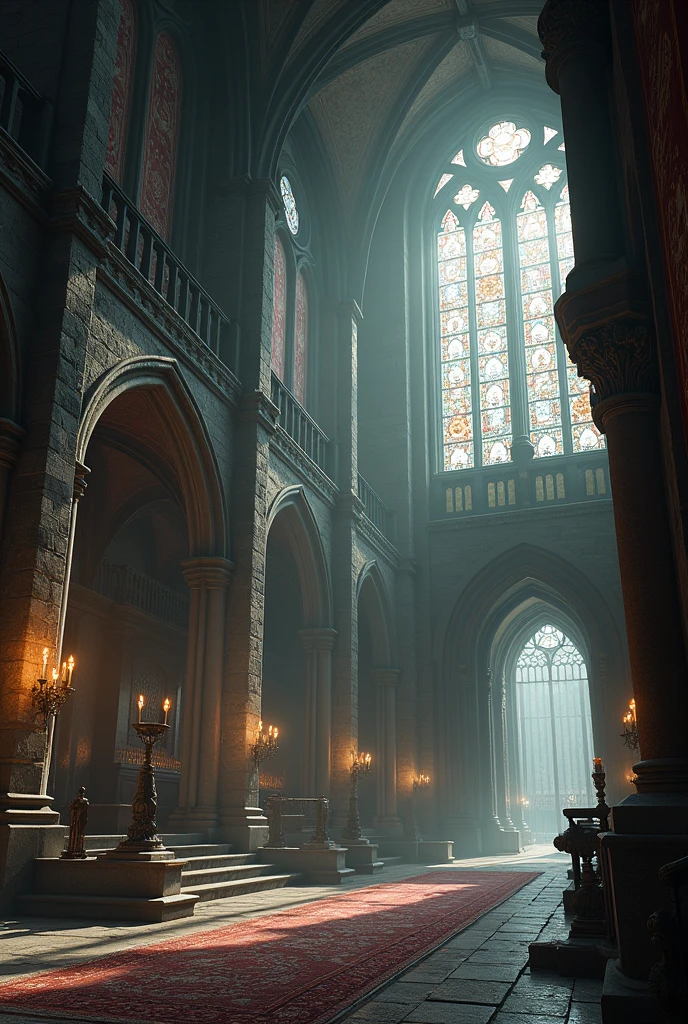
(504, 248)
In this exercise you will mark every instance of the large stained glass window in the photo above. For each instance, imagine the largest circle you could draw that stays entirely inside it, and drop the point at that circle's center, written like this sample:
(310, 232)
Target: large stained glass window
(121, 91)
(279, 310)
(162, 135)
(300, 338)
(504, 251)
(554, 729)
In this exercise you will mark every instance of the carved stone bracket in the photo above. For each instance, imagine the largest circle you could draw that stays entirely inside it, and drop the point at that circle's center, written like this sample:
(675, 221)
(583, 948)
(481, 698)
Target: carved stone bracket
(80, 484)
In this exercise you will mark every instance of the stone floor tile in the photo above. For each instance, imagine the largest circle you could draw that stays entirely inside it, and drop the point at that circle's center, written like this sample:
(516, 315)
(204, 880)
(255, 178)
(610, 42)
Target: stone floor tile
(462, 990)
(585, 1013)
(544, 981)
(486, 972)
(492, 956)
(449, 1013)
(552, 1004)
(380, 1013)
(403, 992)
(423, 973)
(518, 1018)
(587, 990)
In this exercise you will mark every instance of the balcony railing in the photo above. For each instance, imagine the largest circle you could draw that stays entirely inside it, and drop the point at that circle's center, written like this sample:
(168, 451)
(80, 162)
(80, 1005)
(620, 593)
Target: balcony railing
(376, 510)
(506, 487)
(24, 114)
(127, 586)
(301, 428)
(155, 261)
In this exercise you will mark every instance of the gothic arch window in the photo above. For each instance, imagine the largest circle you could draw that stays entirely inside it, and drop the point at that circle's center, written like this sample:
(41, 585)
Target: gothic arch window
(162, 135)
(301, 337)
(121, 91)
(279, 311)
(504, 248)
(554, 728)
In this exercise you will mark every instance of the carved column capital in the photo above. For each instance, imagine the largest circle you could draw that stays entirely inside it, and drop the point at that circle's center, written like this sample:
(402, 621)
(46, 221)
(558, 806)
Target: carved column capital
(618, 357)
(569, 27)
(80, 484)
(11, 436)
(386, 676)
(213, 571)
(318, 638)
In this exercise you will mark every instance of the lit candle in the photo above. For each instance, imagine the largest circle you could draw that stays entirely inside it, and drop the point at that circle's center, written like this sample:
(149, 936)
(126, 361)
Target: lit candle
(260, 726)
(55, 675)
(140, 702)
(63, 677)
(166, 705)
(597, 765)
(275, 732)
(45, 662)
(70, 669)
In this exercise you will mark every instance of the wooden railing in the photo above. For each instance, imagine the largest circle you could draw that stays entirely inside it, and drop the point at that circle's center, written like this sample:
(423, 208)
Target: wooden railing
(507, 487)
(127, 586)
(302, 429)
(24, 114)
(155, 261)
(376, 510)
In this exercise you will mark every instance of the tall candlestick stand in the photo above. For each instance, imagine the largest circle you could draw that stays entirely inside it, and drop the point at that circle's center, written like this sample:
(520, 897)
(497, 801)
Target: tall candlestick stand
(142, 835)
(411, 833)
(361, 764)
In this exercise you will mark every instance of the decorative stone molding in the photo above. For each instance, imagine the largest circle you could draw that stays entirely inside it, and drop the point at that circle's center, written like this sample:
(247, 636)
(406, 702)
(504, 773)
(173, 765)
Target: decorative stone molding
(566, 27)
(298, 461)
(618, 358)
(214, 572)
(11, 436)
(318, 639)
(74, 209)
(80, 484)
(23, 179)
(386, 676)
(368, 531)
(257, 407)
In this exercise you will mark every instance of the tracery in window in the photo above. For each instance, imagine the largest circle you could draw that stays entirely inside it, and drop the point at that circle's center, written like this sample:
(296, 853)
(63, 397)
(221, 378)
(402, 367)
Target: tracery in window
(301, 338)
(456, 364)
(554, 728)
(162, 135)
(443, 181)
(544, 403)
(503, 144)
(290, 209)
(466, 196)
(121, 91)
(279, 310)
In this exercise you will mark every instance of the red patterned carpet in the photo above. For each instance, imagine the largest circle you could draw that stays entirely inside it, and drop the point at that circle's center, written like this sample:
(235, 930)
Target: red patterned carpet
(298, 966)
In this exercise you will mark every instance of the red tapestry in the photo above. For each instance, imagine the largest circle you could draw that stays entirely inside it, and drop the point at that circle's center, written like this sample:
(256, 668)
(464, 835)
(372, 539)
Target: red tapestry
(121, 92)
(300, 966)
(162, 131)
(661, 31)
(301, 339)
(279, 310)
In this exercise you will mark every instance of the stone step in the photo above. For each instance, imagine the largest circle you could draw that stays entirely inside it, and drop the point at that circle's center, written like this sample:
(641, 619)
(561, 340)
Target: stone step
(218, 860)
(237, 887)
(109, 842)
(223, 873)
(391, 862)
(199, 850)
(110, 908)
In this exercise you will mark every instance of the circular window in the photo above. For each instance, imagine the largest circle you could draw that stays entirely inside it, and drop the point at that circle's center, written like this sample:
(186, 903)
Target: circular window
(290, 210)
(503, 144)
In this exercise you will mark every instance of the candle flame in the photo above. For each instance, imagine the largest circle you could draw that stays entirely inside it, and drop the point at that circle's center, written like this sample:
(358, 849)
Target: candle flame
(46, 652)
(166, 704)
(55, 675)
(70, 663)
(141, 701)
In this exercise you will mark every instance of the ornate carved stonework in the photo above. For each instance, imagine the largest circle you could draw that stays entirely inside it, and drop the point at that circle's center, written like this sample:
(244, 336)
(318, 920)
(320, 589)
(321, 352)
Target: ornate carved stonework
(568, 25)
(618, 357)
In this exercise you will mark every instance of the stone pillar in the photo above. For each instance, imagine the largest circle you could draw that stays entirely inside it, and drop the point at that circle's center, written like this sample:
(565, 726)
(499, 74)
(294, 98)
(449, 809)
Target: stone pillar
(501, 761)
(318, 645)
(386, 681)
(11, 435)
(201, 710)
(605, 320)
(241, 821)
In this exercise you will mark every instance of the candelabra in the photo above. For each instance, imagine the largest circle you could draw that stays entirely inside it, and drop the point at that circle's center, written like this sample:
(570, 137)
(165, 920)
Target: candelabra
(265, 746)
(142, 835)
(630, 733)
(421, 782)
(361, 764)
(48, 699)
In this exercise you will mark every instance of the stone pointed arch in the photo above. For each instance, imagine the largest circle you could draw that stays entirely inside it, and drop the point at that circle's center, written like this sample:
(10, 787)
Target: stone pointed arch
(186, 435)
(295, 512)
(10, 360)
(372, 597)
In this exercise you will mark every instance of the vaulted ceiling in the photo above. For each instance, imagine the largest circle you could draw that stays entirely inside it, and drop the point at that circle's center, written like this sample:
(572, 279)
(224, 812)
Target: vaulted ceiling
(402, 60)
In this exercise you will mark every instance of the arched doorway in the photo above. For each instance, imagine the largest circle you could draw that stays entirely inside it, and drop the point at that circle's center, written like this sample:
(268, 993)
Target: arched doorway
(549, 687)
(143, 576)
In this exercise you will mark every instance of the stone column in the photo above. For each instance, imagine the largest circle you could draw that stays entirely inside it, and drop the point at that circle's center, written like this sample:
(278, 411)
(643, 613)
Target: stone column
(606, 322)
(11, 435)
(501, 762)
(318, 645)
(386, 681)
(201, 710)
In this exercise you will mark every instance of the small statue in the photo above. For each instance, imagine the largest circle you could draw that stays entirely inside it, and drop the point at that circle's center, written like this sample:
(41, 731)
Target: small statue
(78, 818)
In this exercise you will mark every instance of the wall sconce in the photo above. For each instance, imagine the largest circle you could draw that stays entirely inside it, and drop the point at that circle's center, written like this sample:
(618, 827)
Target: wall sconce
(524, 801)
(421, 782)
(630, 733)
(48, 699)
(265, 745)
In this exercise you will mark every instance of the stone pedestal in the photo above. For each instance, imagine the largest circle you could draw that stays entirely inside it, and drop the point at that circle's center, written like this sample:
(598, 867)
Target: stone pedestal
(319, 866)
(625, 1001)
(111, 887)
(29, 828)
(362, 857)
(246, 832)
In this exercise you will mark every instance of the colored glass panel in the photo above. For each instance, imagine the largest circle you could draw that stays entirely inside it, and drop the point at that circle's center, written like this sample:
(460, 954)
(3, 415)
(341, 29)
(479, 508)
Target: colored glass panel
(457, 407)
(279, 310)
(544, 402)
(442, 182)
(301, 339)
(493, 358)
(548, 176)
(121, 91)
(466, 196)
(290, 209)
(459, 159)
(503, 144)
(162, 135)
